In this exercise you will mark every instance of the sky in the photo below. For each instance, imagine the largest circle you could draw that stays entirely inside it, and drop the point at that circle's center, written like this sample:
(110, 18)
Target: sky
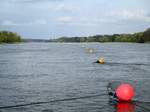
(46, 19)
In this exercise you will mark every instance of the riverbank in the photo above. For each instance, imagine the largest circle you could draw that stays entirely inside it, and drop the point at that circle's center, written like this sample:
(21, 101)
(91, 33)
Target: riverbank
(9, 37)
(139, 37)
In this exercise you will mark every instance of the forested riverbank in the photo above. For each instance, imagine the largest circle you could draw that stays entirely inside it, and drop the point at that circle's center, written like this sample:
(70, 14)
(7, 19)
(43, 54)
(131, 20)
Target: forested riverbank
(139, 37)
(9, 37)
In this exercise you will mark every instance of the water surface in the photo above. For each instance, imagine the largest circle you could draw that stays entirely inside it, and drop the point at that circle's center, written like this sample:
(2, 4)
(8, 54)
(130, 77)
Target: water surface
(35, 72)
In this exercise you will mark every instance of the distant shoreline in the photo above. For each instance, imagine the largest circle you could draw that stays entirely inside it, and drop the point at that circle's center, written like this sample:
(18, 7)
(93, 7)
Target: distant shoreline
(139, 37)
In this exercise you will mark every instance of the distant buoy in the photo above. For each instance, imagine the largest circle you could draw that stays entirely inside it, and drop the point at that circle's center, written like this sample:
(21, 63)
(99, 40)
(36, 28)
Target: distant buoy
(101, 60)
(90, 50)
(83, 46)
(125, 92)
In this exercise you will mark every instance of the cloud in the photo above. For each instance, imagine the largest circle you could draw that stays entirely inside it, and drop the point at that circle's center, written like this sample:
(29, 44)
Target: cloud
(99, 16)
(28, 1)
(40, 22)
(83, 21)
(65, 7)
(7, 23)
(65, 19)
(12, 23)
(137, 15)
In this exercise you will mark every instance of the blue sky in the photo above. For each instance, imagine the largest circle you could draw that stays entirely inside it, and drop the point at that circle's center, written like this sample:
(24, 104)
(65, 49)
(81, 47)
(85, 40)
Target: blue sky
(55, 18)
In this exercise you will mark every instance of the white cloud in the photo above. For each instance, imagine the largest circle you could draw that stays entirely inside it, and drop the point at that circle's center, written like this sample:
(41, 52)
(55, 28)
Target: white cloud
(7, 23)
(40, 22)
(65, 7)
(28, 1)
(74, 21)
(12, 23)
(130, 15)
(65, 19)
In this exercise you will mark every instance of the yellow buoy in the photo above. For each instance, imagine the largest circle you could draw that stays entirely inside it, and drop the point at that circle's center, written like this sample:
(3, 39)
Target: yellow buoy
(101, 60)
(90, 50)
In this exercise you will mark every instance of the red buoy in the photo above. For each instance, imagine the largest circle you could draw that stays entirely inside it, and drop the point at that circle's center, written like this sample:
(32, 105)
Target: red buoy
(125, 92)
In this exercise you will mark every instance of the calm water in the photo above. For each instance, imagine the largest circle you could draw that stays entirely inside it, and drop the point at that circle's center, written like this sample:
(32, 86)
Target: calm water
(35, 72)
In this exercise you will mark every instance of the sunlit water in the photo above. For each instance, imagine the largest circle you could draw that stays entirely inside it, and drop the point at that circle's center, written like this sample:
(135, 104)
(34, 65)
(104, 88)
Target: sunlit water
(36, 72)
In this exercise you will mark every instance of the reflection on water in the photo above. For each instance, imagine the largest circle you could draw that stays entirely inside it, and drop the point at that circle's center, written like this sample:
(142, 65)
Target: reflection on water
(125, 107)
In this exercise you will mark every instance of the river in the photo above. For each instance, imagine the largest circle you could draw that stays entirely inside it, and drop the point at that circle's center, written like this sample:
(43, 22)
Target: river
(45, 72)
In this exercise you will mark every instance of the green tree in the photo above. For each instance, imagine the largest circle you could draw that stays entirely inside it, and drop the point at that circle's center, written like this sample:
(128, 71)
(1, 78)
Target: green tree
(9, 37)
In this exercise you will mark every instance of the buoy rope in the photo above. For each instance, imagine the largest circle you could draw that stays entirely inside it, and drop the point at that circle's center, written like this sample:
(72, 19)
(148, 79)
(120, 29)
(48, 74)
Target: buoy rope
(142, 107)
(52, 101)
(115, 63)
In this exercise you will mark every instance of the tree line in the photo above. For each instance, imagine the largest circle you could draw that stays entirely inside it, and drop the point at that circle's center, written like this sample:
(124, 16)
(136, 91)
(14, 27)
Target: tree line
(139, 37)
(9, 37)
